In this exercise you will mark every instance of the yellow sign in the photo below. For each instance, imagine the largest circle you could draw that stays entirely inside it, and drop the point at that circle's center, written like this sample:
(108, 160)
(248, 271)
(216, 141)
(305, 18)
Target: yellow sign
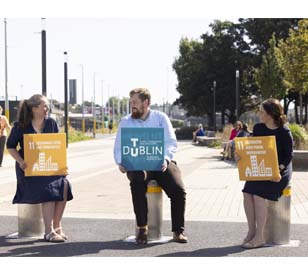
(258, 158)
(45, 154)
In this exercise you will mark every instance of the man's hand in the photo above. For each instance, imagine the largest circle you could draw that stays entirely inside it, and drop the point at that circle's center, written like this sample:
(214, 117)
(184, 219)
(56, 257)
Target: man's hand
(122, 169)
(164, 166)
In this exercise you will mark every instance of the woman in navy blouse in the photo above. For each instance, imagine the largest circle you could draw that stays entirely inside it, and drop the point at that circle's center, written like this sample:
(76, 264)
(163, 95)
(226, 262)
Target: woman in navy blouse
(256, 193)
(51, 191)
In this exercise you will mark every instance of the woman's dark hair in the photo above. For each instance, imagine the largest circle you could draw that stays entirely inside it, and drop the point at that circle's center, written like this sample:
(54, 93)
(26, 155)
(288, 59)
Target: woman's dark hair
(245, 127)
(25, 114)
(274, 109)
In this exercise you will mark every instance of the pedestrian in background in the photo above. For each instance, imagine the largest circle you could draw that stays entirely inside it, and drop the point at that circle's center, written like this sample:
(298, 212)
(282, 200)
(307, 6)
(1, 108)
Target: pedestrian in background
(169, 178)
(110, 126)
(199, 132)
(4, 126)
(256, 193)
(51, 191)
(227, 153)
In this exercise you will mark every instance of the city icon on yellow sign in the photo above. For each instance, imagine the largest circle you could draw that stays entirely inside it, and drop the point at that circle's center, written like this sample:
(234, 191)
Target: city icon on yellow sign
(45, 154)
(258, 158)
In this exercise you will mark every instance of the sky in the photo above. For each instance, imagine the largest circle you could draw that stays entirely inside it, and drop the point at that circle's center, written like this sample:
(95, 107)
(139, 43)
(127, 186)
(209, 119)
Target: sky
(120, 46)
(121, 54)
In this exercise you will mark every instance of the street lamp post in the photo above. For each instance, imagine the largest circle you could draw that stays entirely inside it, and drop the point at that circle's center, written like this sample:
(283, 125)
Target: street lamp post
(82, 96)
(214, 105)
(237, 101)
(44, 74)
(127, 107)
(119, 109)
(6, 106)
(94, 108)
(108, 103)
(65, 98)
(103, 113)
(113, 105)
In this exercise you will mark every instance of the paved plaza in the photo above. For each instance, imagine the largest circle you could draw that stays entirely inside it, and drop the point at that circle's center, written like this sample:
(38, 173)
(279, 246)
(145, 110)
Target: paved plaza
(101, 214)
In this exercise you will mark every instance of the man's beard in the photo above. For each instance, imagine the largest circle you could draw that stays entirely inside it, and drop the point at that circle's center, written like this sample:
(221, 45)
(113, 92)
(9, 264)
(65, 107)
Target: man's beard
(137, 114)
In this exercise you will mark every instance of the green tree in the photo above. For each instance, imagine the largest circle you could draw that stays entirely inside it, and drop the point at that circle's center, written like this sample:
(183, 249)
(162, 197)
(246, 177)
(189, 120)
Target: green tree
(295, 62)
(270, 77)
(213, 58)
(260, 31)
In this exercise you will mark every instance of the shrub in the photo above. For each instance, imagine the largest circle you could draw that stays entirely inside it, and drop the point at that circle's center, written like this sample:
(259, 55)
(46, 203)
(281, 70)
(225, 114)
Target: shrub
(177, 123)
(74, 135)
(185, 132)
(300, 136)
(215, 144)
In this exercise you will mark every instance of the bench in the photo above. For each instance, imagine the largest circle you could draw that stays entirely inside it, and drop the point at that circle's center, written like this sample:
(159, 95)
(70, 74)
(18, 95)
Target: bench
(206, 141)
(208, 138)
(300, 160)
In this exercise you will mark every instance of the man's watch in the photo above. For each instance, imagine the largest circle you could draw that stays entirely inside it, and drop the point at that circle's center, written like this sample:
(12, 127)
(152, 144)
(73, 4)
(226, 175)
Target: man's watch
(281, 167)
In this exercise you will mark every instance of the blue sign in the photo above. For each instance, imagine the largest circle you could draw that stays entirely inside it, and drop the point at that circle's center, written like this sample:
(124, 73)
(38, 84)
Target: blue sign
(142, 148)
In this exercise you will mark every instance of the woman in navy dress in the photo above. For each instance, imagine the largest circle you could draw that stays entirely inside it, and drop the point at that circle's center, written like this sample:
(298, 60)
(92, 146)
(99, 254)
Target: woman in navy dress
(51, 191)
(256, 193)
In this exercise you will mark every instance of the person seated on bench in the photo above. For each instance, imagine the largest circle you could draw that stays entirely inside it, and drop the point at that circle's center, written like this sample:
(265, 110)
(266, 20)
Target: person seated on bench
(244, 132)
(227, 149)
(198, 133)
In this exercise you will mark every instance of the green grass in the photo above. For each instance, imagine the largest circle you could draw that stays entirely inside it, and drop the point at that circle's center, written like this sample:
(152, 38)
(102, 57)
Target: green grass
(215, 144)
(75, 136)
(300, 136)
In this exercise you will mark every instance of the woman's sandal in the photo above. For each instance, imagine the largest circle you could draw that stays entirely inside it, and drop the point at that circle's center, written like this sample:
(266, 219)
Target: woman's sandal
(53, 237)
(250, 245)
(246, 240)
(60, 233)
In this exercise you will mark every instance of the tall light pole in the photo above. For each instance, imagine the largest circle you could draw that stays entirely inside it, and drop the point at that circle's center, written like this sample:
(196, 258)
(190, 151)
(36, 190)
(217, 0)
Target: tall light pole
(214, 105)
(119, 108)
(44, 72)
(237, 101)
(103, 113)
(108, 103)
(113, 93)
(127, 107)
(65, 98)
(6, 106)
(82, 98)
(167, 84)
(94, 108)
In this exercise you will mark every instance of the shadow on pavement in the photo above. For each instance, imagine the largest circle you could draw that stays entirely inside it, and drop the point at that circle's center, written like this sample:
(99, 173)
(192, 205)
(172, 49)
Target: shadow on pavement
(207, 252)
(67, 249)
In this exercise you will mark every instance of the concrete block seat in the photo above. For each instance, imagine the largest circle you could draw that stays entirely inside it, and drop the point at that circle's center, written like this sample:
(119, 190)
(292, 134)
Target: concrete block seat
(300, 160)
(207, 139)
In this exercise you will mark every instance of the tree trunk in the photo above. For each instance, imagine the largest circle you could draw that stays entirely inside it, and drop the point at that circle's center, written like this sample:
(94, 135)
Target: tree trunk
(305, 106)
(300, 108)
(288, 104)
(295, 111)
(222, 118)
(285, 107)
(209, 120)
